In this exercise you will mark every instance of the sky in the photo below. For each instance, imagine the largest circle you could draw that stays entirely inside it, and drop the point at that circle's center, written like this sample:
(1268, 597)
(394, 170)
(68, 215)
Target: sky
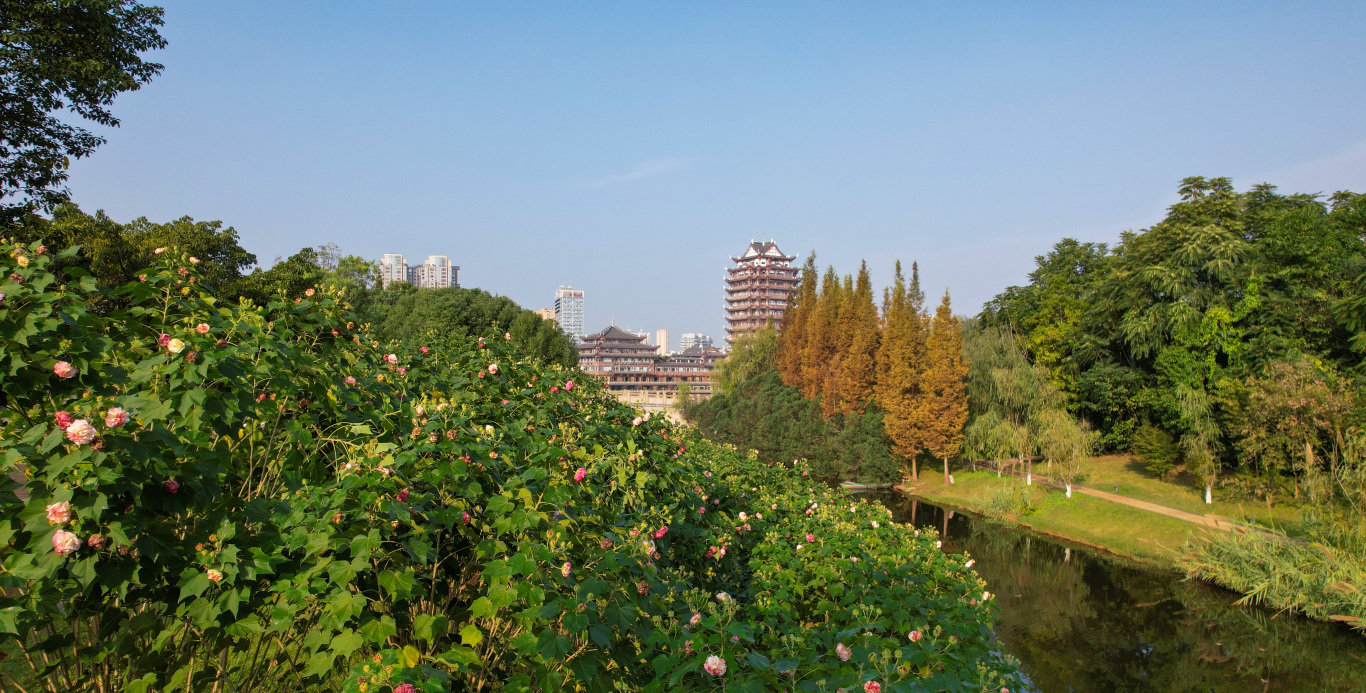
(630, 149)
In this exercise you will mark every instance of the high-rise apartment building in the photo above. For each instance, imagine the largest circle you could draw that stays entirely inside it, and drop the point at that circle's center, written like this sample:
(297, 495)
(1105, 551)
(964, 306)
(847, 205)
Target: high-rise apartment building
(757, 288)
(392, 268)
(662, 342)
(436, 273)
(694, 340)
(569, 310)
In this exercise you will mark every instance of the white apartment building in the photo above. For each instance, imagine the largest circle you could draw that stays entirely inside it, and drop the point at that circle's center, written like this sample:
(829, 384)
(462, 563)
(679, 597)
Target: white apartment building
(436, 273)
(694, 339)
(569, 310)
(392, 268)
(662, 341)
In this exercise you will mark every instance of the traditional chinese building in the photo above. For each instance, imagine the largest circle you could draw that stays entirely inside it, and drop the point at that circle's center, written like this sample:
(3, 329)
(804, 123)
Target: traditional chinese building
(757, 288)
(630, 366)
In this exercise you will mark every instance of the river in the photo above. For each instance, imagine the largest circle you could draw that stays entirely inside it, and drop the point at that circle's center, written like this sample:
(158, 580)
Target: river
(1081, 620)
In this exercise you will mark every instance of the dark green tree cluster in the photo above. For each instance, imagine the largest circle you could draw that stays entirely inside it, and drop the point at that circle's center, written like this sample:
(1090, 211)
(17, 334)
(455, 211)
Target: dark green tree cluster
(1190, 331)
(430, 317)
(763, 414)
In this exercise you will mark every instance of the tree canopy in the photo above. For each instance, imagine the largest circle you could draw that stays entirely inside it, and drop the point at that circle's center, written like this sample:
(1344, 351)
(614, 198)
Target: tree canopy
(64, 57)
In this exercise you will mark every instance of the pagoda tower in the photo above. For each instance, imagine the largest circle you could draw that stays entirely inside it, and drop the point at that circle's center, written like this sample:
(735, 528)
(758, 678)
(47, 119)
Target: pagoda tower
(757, 288)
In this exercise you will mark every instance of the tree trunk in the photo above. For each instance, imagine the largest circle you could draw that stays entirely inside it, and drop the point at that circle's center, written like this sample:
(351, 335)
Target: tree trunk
(1209, 493)
(946, 470)
(915, 473)
(1029, 471)
(1069, 490)
(915, 505)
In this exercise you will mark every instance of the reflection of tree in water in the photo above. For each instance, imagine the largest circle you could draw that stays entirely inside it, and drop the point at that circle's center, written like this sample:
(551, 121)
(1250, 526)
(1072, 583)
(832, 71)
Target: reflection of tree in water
(1079, 622)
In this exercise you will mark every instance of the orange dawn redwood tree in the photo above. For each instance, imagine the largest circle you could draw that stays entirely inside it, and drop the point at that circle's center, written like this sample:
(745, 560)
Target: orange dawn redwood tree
(902, 363)
(820, 327)
(858, 366)
(792, 339)
(943, 406)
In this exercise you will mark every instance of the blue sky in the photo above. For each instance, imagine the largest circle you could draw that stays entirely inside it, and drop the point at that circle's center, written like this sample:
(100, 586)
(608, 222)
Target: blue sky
(629, 148)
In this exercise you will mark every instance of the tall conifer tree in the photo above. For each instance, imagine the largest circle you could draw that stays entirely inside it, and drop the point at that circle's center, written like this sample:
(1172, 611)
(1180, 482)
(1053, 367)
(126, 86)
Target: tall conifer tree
(903, 358)
(858, 367)
(820, 327)
(943, 406)
(800, 306)
(841, 338)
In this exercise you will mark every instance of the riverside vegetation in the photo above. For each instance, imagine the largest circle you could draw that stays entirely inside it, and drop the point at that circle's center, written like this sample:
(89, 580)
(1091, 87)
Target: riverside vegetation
(1221, 345)
(215, 495)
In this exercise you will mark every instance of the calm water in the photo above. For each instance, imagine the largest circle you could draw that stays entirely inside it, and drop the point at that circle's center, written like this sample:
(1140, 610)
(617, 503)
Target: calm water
(1081, 621)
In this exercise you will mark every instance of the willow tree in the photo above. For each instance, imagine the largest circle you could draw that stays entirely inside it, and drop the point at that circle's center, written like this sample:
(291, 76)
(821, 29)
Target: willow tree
(942, 408)
(1066, 442)
(1002, 382)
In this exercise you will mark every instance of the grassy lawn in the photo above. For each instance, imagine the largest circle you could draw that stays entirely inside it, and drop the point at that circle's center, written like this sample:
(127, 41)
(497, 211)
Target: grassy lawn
(1117, 528)
(1120, 529)
(1184, 493)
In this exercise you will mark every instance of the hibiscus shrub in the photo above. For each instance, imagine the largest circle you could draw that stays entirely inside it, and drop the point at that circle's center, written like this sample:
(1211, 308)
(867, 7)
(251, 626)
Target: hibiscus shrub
(236, 497)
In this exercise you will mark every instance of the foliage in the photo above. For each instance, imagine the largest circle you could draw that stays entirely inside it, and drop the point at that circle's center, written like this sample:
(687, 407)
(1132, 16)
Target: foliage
(286, 504)
(115, 253)
(72, 56)
(416, 317)
(1319, 581)
(751, 353)
(1171, 325)
(765, 415)
(942, 408)
(1157, 449)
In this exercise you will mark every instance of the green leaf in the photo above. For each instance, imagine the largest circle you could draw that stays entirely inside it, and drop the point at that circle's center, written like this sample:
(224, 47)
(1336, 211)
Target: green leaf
(428, 628)
(483, 608)
(398, 585)
(410, 657)
(469, 635)
(378, 630)
(320, 663)
(346, 643)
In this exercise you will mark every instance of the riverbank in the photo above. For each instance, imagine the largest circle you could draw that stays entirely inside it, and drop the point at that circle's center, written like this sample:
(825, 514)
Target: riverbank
(1139, 533)
(1127, 532)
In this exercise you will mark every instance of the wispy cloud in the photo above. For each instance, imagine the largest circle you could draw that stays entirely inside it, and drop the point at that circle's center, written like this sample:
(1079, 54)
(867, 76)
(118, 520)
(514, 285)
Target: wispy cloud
(653, 168)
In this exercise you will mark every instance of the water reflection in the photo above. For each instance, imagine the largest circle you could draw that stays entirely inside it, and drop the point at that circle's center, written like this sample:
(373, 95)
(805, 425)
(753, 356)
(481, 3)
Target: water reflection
(1080, 621)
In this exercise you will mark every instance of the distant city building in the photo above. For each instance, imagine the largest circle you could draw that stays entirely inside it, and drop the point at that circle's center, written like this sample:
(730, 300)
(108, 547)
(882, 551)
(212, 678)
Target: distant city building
(662, 342)
(628, 364)
(569, 310)
(546, 313)
(436, 273)
(757, 288)
(392, 268)
(694, 340)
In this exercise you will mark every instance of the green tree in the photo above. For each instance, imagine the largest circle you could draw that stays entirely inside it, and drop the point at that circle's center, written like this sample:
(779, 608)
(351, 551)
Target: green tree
(58, 57)
(751, 353)
(430, 317)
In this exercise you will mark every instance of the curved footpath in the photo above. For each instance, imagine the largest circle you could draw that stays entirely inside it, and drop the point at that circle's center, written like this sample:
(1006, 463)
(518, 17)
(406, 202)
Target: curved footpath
(1212, 521)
